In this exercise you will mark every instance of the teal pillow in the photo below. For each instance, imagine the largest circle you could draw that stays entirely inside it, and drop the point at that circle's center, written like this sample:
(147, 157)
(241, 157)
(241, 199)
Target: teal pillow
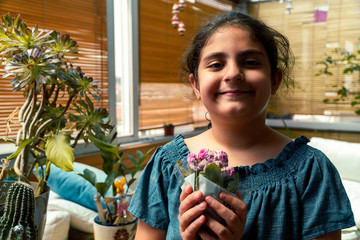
(73, 187)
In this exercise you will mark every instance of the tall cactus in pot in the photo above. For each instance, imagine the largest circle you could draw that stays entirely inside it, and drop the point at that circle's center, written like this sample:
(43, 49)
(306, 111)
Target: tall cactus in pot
(17, 221)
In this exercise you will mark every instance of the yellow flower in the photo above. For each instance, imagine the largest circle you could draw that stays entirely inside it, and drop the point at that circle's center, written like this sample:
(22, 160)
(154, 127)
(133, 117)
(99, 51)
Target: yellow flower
(120, 185)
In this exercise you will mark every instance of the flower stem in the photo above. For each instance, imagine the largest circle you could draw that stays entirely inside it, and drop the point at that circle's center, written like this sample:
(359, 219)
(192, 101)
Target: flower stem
(196, 181)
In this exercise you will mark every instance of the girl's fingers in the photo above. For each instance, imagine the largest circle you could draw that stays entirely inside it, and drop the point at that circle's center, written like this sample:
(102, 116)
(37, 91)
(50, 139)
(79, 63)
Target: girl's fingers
(191, 230)
(190, 215)
(204, 235)
(190, 212)
(185, 192)
(188, 199)
(238, 205)
(235, 220)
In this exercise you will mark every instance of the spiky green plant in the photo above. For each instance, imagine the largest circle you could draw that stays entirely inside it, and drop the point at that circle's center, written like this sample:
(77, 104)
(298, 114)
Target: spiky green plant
(19, 213)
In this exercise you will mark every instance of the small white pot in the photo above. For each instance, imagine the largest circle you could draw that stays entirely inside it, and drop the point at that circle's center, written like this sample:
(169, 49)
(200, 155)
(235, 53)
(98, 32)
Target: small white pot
(106, 231)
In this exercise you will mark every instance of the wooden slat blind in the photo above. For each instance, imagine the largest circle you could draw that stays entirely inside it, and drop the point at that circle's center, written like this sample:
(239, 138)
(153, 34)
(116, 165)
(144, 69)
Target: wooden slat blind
(161, 48)
(84, 20)
(310, 41)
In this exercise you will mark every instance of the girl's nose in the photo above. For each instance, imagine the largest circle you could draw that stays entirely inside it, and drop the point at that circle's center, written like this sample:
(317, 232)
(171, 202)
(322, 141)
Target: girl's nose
(233, 73)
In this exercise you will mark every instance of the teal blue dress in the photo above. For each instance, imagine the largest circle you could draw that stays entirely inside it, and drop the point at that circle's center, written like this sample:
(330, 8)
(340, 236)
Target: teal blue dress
(297, 195)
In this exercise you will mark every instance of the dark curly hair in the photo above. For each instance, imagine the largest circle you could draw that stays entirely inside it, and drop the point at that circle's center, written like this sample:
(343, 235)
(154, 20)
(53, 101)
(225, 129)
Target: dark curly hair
(275, 44)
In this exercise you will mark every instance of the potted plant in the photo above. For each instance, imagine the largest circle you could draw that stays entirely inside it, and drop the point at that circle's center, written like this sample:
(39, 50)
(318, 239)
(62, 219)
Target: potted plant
(168, 129)
(114, 219)
(348, 63)
(58, 112)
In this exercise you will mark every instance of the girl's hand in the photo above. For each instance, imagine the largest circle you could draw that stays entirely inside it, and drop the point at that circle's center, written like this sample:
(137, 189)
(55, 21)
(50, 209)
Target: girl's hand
(191, 216)
(235, 220)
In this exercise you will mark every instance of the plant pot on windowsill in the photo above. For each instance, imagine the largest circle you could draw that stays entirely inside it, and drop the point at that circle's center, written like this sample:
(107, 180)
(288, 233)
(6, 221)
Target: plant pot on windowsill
(169, 129)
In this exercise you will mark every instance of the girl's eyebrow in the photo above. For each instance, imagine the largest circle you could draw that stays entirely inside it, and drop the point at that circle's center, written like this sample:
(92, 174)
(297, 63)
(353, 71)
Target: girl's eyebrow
(241, 54)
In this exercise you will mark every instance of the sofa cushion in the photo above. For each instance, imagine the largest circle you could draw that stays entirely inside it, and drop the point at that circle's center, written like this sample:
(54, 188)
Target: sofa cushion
(73, 187)
(344, 155)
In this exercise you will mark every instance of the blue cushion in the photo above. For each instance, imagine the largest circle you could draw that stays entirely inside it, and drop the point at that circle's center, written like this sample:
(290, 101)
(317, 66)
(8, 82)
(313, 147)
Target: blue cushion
(73, 187)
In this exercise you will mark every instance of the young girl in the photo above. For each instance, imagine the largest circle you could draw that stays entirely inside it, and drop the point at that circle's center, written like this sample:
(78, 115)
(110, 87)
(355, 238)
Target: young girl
(290, 190)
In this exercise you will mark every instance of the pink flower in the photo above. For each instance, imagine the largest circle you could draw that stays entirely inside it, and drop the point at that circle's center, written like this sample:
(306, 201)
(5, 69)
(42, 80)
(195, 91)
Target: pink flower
(223, 156)
(202, 154)
(202, 164)
(228, 171)
(191, 158)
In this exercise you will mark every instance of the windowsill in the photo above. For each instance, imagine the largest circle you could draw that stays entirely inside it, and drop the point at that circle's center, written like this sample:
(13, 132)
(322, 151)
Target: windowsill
(338, 124)
(8, 148)
(312, 123)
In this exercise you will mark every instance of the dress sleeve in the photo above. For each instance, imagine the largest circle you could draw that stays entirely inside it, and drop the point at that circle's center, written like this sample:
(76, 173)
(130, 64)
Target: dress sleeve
(149, 200)
(325, 204)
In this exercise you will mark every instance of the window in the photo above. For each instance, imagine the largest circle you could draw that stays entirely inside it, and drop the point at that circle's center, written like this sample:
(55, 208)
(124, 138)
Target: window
(123, 65)
(316, 28)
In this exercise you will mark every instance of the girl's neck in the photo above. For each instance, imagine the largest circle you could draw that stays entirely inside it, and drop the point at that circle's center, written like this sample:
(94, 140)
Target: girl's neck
(239, 135)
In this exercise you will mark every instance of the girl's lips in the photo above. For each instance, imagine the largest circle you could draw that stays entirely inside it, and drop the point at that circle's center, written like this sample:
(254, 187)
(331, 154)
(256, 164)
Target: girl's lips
(235, 92)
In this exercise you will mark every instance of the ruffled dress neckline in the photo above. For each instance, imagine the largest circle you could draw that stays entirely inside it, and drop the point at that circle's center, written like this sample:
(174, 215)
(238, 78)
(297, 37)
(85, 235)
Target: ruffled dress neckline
(269, 172)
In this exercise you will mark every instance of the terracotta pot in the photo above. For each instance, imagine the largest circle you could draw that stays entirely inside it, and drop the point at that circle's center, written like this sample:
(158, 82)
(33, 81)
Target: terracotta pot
(169, 130)
(40, 205)
(106, 231)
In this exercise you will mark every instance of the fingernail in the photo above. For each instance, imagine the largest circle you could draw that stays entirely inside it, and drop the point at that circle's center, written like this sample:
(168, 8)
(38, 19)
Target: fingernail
(202, 205)
(209, 201)
(197, 195)
(222, 196)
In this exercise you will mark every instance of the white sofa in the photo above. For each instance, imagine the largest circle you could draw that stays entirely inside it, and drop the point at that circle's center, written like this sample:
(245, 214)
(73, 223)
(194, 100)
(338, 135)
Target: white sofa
(63, 214)
(346, 158)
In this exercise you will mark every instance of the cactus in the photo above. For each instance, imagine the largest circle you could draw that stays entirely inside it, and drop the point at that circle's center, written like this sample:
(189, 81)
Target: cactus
(18, 219)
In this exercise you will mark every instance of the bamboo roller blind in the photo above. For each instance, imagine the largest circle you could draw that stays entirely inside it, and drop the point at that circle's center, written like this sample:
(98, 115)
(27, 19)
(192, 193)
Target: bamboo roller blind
(310, 41)
(161, 49)
(84, 20)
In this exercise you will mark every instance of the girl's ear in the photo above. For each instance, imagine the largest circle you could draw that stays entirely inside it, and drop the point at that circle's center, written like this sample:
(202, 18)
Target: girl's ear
(277, 81)
(194, 86)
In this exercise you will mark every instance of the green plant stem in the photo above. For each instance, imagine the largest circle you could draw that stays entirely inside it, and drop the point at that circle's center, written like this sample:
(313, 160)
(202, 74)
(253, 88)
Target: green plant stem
(39, 111)
(56, 95)
(25, 106)
(49, 121)
(78, 136)
(17, 168)
(18, 136)
(196, 181)
(30, 113)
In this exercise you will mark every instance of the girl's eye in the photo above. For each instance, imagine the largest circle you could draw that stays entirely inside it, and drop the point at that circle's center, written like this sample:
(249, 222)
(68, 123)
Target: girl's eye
(251, 63)
(215, 65)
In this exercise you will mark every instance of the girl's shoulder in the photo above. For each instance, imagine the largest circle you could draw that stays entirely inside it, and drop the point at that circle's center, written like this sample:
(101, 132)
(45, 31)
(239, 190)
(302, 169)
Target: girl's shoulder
(296, 160)
(172, 151)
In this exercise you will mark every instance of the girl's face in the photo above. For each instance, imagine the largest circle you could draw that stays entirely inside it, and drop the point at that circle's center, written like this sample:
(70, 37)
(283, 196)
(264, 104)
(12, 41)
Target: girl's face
(234, 76)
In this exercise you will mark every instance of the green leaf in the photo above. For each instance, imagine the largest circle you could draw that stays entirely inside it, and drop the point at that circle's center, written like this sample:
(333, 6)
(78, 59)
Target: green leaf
(353, 103)
(110, 179)
(213, 173)
(101, 188)
(105, 147)
(22, 145)
(89, 175)
(133, 160)
(59, 152)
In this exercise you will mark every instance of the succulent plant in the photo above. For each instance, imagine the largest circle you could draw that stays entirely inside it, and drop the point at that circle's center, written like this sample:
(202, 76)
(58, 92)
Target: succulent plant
(59, 109)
